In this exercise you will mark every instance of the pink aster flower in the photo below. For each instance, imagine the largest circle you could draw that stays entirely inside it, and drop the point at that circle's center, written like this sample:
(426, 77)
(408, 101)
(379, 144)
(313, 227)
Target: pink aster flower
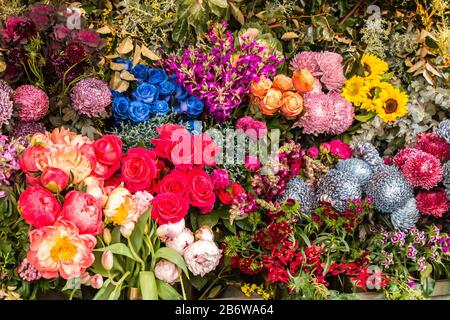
(433, 144)
(343, 113)
(306, 60)
(401, 157)
(32, 103)
(423, 170)
(432, 203)
(90, 97)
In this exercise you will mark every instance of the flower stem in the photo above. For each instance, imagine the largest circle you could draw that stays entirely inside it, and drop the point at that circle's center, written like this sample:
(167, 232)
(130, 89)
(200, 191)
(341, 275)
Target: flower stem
(182, 284)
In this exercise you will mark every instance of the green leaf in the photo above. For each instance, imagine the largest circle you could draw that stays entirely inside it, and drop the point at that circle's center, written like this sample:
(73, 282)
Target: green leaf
(364, 117)
(193, 218)
(180, 28)
(147, 284)
(118, 248)
(214, 292)
(172, 256)
(138, 232)
(219, 3)
(244, 225)
(198, 282)
(230, 227)
(105, 291)
(166, 291)
(210, 219)
(115, 235)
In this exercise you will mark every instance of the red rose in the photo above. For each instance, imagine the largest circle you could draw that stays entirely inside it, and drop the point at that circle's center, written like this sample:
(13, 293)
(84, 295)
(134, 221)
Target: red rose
(38, 206)
(176, 182)
(201, 190)
(169, 135)
(54, 179)
(226, 196)
(138, 169)
(84, 211)
(169, 207)
(108, 150)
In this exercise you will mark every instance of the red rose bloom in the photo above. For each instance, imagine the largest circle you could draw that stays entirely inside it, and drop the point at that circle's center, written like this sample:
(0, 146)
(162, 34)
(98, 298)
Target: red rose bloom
(169, 207)
(108, 152)
(169, 135)
(84, 211)
(177, 182)
(433, 203)
(201, 191)
(138, 169)
(38, 206)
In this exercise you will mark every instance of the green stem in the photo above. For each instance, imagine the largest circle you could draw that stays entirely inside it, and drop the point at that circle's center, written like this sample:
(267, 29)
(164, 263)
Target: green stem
(182, 284)
(211, 285)
(135, 255)
(72, 293)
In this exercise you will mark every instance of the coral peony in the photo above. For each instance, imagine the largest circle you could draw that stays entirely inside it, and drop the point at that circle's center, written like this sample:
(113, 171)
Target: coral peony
(423, 170)
(166, 271)
(202, 257)
(433, 144)
(32, 103)
(90, 97)
(433, 203)
(38, 206)
(95, 187)
(84, 211)
(54, 179)
(59, 250)
(121, 210)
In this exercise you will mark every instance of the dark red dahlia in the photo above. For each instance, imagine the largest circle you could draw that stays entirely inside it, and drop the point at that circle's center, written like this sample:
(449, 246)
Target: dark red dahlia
(423, 170)
(433, 203)
(74, 52)
(18, 29)
(433, 144)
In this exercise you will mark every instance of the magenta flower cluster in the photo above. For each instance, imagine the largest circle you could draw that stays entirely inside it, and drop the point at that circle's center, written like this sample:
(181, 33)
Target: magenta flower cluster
(218, 73)
(9, 156)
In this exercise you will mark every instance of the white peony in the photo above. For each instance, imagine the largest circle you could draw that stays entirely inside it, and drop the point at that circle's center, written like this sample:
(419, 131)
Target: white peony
(202, 257)
(204, 233)
(166, 271)
(181, 241)
(169, 231)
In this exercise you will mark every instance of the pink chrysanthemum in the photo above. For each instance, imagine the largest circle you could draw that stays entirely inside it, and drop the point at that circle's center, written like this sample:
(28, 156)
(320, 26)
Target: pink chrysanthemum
(343, 113)
(405, 154)
(90, 97)
(433, 144)
(433, 203)
(306, 60)
(23, 129)
(423, 170)
(32, 103)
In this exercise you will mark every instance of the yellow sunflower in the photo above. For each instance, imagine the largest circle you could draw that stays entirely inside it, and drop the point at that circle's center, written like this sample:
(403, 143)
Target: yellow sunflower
(368, 102)
(355, 90)
(391, 103)
(373, 66)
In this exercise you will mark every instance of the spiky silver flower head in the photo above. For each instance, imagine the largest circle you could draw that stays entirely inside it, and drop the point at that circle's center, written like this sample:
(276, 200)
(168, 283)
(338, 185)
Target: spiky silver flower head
(405, 218)
(358, 168)
(446, 169)
(367, 152)
(389, 189)
(443, 130)
(337, 187)
(302, 192)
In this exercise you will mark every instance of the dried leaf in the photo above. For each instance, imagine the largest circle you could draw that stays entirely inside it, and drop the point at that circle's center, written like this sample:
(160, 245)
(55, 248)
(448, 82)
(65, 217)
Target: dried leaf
(237, 13)
(112, 56)
(104, 30)
(146, 52)
(289, 36)
(427, 77)
(118, 84)
(126, 46)
(430, 68)
(417, 66)
(296, 24)
(343, 39)
(125, 75)
(137, 55)
(2, 66)
(117, 66)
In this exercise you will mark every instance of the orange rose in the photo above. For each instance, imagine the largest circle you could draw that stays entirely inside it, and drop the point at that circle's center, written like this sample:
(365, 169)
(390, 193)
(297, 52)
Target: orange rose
(282, 82)
(271, 102)
(303, 81)
(260, 88)
(291, 105)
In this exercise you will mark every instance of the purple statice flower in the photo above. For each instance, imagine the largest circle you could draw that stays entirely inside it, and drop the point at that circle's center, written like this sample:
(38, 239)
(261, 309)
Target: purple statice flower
(27, 272)
(411, 252)
(218, 72)
(421, 264)
(10, 150)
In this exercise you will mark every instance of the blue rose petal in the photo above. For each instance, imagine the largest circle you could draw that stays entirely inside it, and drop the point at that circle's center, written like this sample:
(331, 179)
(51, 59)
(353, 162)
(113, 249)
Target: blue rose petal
(156, 76)
(146, 92)
(120, 108)
(139, 111)
(140, 72)
(160, 108)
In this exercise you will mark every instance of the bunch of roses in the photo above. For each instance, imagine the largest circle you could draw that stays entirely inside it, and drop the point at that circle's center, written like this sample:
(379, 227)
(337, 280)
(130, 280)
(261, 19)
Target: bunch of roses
(185, 182)
(218, 72)
(154, 94)
(422, 165)
(57, 166)
(67, 44)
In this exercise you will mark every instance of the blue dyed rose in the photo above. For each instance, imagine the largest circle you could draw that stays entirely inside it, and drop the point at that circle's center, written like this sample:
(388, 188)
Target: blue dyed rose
(166, 88)
(120, 108)
(139, 111)
(180, 93)
(159, 108)
(195, 126)
(146, 92)
(156, 76)
(191, 106)
(128, 64)
(115, 94)
(140, 72)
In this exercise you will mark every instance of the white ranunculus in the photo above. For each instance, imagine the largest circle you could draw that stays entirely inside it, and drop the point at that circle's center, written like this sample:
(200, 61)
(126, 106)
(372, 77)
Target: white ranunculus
(202, 257)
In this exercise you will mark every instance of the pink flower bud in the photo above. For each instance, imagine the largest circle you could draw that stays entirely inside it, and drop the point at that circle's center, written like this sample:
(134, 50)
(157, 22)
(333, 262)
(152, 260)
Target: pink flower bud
(54, 179)
(97, 281)
(107, 260)
(127, 229)
(313, 152)
(252, 163)
(85, 278)
(166, 271)
(325, 147)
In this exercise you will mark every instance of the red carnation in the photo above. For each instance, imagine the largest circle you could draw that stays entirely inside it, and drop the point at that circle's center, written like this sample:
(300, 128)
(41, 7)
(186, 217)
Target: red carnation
(433, 203)
(423, 170)
(433, 144)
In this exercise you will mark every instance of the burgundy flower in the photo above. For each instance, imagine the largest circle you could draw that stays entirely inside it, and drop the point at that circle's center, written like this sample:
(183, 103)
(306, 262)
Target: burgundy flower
(74, 52)
(18, 29)
(432, 203)
(433, 144)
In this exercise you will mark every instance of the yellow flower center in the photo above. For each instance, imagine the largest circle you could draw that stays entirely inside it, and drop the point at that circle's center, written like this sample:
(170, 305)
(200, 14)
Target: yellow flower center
(63, 249)
(390, 106)
(122, 213)
(354, 88)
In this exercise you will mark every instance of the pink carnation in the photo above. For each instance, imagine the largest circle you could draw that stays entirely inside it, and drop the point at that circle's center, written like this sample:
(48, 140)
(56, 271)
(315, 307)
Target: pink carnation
(340, 149)
(32, 103)
(90, 97)
(220, 179)
(432, 203)
(433, 144)
(423, 170)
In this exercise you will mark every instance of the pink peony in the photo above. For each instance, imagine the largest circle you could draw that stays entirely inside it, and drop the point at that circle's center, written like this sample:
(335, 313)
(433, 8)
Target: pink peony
(54, 179)
(90, 97)
(433, 203)
(252, 128)
(252, 163)
(60, 251)
(313, 152)
(166, 271)
(181, 241)
(84, 211)
(220, 179)
(32, 103)
(340, 149)
(423, 170)
(38, 206)
(202, 257)
(433, 144)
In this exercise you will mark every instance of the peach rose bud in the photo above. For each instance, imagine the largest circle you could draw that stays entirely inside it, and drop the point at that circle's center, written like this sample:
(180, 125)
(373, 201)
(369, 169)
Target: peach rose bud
(271, 102)
(260, 88)
(292, 105)
(282, 83)
(303, 81)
